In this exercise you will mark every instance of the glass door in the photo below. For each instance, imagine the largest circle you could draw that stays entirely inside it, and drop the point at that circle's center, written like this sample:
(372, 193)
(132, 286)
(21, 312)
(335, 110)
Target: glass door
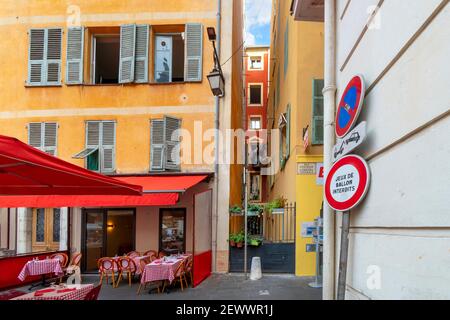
(94, 236)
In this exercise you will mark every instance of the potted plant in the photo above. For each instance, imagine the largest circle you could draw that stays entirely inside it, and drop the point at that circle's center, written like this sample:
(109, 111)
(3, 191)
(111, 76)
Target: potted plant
(232, 239)
(276, 206)
(254, 241)
(254, 209)
(240, 237)
(235, 209)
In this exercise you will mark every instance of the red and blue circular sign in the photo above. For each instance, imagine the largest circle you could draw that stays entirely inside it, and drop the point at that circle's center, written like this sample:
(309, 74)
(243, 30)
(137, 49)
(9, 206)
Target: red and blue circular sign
(347, 183)
(350, 106)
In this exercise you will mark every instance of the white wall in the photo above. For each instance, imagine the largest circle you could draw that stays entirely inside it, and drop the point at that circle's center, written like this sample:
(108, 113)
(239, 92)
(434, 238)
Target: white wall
(403, 226)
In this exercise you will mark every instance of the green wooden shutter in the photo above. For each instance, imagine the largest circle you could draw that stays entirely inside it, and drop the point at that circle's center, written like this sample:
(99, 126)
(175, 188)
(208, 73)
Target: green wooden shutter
(107, 154)
(35, 134)
(50, 137)
(193, 52)
(142, 49)
(53, 55)
(157, 161)
(172, 128)
(36, 57)
(127, 53)
(317, 112)
(75, 55)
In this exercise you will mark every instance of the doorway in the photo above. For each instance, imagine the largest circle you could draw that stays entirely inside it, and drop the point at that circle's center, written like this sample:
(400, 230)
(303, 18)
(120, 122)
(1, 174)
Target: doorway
(106, 233)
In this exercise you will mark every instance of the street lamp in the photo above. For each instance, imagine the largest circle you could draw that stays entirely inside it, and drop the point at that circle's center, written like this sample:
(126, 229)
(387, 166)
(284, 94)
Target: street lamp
(215, 77)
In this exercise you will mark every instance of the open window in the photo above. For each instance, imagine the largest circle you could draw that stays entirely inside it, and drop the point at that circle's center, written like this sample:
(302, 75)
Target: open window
(105, 59)
(99, 153)
(255, 93)
(284, 126)
(177, 53)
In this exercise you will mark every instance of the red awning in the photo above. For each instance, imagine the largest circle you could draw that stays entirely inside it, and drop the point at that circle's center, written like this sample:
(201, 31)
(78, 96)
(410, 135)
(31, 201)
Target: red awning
(160, 191)
(164, 184)
(25, 170)
(148, 200)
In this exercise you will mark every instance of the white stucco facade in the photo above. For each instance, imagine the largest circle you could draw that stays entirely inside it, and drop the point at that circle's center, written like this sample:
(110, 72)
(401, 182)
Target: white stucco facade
(400, 235)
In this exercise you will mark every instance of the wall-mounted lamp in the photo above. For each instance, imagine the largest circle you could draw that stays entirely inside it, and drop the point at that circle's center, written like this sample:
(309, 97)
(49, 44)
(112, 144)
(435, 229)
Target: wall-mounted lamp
(111, 226)
(215, 77)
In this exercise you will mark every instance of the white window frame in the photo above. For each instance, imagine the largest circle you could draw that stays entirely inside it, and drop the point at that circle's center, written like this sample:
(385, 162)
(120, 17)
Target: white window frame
(250, 120)
(250, 56)
(94, 53)
(262, 94)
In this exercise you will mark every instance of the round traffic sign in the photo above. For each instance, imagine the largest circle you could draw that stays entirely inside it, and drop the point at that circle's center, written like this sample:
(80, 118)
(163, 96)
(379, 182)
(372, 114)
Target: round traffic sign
(347, 183)
(350, 106)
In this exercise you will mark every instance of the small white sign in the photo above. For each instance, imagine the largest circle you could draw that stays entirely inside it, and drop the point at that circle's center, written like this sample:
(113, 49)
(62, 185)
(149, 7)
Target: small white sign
(319, 174)
(350, 142)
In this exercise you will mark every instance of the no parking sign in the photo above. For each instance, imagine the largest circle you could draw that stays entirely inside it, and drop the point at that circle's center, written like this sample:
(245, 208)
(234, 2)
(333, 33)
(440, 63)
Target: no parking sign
(350, 106)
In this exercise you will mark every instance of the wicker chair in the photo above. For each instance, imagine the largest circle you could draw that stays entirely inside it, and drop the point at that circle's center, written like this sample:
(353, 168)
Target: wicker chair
(143, 263)
(133, 254)
(108, 267)
(180, 276)
(62, 257)
(126, 265)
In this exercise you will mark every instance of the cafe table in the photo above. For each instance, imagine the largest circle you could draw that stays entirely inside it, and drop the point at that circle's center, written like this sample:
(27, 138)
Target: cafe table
(40, 267)
(64, 292)
(163, 269)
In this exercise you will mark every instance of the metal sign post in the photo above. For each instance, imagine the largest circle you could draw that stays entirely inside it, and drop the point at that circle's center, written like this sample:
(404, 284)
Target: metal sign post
(245, 221)
(343, 255)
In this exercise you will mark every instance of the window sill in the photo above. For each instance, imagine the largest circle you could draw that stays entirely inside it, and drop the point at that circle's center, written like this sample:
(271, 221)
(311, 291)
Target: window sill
(43, 86)
(132, 84)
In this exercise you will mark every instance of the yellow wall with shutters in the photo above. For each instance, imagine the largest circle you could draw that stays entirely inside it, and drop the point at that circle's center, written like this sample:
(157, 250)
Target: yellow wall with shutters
(306, 47)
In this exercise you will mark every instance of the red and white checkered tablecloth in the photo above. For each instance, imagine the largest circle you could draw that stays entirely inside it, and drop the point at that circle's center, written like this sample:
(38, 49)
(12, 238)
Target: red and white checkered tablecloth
(40, 267)
(159, 270)
(79, 293)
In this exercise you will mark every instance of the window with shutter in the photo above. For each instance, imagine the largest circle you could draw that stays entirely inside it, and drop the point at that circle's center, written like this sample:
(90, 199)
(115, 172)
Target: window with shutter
(107, 153)
(141, 58)
(100, 151)
(43, 136)
(157, 159)
(172, 136)
(194, 52)
(75, 53)
(54, 42)
(127, 53)
(50, 137)
(44, 58)
(317, 112)
(288, 132)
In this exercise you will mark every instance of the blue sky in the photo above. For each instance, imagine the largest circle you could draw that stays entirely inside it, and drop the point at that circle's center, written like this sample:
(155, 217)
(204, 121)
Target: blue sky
(257, 19)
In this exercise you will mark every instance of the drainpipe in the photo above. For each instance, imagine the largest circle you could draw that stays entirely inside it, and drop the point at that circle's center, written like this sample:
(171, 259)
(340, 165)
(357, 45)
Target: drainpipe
(329, 93)
(216, 138)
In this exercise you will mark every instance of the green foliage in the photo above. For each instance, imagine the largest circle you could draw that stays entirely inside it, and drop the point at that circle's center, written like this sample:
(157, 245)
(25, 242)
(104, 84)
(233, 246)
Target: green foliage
(235, 209)
(253, 207)
(275, 204)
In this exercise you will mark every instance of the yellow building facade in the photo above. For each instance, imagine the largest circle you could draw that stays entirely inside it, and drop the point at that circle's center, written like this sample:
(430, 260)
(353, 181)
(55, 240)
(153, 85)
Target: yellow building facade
(124, 74)
(295, 110)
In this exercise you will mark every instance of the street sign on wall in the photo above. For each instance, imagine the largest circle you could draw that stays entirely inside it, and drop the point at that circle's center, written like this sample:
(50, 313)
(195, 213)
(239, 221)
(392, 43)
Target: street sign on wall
(347, 183)
(350, 106)
(350, 142)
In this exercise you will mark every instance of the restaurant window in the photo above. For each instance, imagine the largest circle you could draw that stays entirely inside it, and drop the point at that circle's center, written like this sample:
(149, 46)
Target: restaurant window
(255, 94)
(100, 150)
(255, 63)
(33, 230)
(172, 231)
(165, 149)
